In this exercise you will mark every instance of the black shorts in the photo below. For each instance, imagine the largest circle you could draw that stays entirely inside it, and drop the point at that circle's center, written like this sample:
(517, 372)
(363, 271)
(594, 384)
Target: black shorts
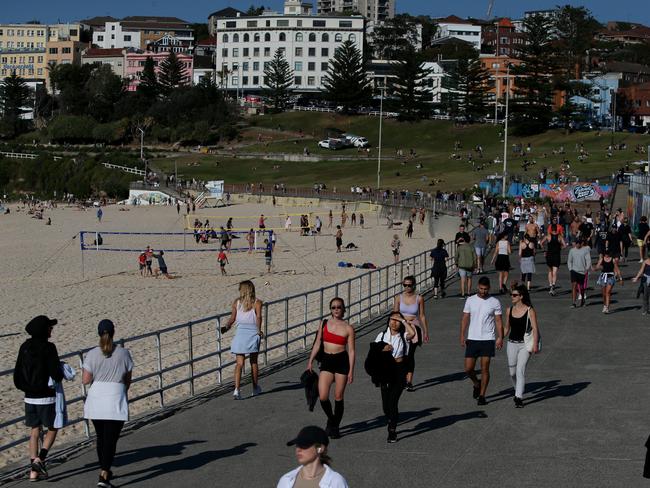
(577, 278)
(479, 349)
(336, 363)
(149, 265)
(163, 270)
(40, 415)
(142, 266)
(395, 252)
(339, 242)
(553, 260)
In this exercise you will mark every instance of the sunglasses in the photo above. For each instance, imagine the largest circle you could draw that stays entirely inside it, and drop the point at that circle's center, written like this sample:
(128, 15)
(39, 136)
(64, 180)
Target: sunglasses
(408, 285)
(515, 294)
(336, 307)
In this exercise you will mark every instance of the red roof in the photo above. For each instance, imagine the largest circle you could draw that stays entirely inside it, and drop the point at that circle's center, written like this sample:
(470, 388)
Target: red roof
(207, 41)
(95, 52)
(505, 22)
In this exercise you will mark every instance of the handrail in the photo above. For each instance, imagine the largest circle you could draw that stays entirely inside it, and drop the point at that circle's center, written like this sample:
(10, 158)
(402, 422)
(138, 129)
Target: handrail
(190, 356)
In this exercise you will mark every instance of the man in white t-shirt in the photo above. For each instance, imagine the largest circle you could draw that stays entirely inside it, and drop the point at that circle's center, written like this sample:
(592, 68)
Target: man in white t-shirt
(481, 330)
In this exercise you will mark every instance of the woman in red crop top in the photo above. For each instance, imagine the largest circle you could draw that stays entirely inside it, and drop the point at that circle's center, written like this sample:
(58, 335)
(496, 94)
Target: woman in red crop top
(336, 338)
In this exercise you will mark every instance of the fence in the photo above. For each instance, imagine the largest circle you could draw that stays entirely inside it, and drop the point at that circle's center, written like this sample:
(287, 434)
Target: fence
(176, 362)
(23, 155)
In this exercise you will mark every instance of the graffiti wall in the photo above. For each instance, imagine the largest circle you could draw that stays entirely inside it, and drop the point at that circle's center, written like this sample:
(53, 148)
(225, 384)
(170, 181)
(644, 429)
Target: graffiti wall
(576, 192)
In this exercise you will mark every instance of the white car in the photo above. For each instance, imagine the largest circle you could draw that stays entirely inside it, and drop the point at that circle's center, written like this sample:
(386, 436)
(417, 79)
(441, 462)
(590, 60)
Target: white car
(325, 143)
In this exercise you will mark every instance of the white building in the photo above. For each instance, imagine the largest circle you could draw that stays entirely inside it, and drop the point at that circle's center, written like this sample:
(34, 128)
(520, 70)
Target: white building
(114, 36)
(455, 27)
(374, 10)
(381, 74)
(247, 43)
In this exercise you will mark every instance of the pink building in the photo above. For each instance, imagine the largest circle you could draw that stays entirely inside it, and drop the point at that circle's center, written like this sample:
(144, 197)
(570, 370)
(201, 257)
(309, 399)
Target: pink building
(135, 65)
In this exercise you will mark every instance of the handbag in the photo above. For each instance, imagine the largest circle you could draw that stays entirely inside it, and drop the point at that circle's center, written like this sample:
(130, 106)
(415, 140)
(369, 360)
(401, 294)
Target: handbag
(529, 338)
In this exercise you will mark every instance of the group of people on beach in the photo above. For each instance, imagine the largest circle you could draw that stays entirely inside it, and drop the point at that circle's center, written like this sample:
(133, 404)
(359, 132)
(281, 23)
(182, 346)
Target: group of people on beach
(145, 262)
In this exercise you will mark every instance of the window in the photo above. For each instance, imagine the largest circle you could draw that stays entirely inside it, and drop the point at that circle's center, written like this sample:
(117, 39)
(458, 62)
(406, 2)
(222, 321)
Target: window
(298, 51)
(73, 32)
(231, 24)
(251, 23)
(283, 36)
(283, 23)
(298, 36)
(40, 59)
(127, 38)
(352, 38)
(311, 66)
(39, 71)
(235, 52)
(244, 80)
(325, 37)
(338, 37)
(247, 38)
(54, 50)
(297, 80)
(235, 81)
(312, 37)
(256, 37)
(100, 38)
(256, 52)
(224, 52)
(246, 52)
(311, 81)
(323, 66)
(265, 65)
(66, 50)
(256, 80)
(312, 51)
(235, 37)
(297, 66)
(283, 50)
(31, 59)
(319, 23)
(345, 23)
(256, 66)
(504, 40)
(1, 32)
(267, 51)
(299, 23)
(112, 27)
(267, 37)
(268, 23)
(325, 51)
(224, 38)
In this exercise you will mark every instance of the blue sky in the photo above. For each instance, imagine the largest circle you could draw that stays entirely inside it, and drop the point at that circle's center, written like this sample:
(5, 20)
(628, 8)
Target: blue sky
(197, 10)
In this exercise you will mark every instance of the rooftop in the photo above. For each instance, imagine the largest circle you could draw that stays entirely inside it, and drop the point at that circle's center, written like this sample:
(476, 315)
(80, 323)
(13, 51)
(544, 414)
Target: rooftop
(95, 52)
(227, 12)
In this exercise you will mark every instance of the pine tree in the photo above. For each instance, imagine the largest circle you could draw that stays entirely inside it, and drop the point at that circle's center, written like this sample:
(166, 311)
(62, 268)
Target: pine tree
(535, 78)
(172, 74)
(346, 82)
(278, 78)
(149, 85)
(14, 97)
(410, 84)
(466, 84)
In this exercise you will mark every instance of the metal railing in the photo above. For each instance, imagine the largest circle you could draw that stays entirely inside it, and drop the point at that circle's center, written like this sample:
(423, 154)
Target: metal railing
(175, 362)
(126, 169)
(14, 155)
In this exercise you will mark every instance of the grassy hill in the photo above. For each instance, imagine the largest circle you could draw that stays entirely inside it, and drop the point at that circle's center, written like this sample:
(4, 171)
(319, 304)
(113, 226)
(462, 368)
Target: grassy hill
(432, 140)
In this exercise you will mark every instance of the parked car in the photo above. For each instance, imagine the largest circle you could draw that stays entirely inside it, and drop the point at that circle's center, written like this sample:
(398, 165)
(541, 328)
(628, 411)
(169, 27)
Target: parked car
(356, 141)
(325, 143)
(331, 144)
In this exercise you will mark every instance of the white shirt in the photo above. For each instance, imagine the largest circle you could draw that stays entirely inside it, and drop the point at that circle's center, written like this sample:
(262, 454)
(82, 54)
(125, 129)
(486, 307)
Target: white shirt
(331, 479)
(482, 312)
(395, 341)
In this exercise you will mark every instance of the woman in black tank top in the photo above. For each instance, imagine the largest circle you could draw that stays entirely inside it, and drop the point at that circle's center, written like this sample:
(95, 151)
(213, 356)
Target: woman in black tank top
(555, 244)
(608, 276)
(520, 317)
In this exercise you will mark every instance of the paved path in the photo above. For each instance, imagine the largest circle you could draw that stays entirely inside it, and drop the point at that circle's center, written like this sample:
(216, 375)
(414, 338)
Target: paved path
(584, 424)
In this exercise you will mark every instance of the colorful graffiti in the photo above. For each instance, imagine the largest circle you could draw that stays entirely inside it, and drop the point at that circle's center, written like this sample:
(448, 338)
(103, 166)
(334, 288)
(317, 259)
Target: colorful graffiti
(575, 192)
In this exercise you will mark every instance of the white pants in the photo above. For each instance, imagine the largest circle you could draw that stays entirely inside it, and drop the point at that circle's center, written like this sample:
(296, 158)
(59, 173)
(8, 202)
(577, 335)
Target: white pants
(517, 359)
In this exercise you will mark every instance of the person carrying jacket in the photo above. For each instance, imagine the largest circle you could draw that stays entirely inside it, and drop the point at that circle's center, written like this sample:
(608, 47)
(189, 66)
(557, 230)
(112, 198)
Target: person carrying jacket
(37, 362)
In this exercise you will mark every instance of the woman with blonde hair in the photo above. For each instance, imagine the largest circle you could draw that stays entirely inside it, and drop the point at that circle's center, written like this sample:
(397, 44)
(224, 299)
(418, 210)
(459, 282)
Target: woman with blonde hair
(247, 313)
(108, 370)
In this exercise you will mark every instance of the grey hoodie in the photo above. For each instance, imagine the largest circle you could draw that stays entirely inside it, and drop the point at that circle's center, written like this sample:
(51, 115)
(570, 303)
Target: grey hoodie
(579, 259)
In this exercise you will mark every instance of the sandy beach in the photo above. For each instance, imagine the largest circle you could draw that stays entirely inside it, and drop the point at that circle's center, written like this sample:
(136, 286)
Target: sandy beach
(42, 270)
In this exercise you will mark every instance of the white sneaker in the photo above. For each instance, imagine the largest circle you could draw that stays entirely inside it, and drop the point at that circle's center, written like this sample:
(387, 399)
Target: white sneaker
(236, 394)
(579, 297)
(604, 308)
(257, 391)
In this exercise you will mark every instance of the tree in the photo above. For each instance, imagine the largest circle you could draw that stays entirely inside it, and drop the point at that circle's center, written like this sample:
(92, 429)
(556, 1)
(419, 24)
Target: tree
(466, 86)
(68, 81)
(410, 84)
(172, 74)
(104, 89)
(532, 106)
(254, 11)
(278, 78)
(393, 37)
(14, 97)
(149, 86)
(346, 82)
(574, 29)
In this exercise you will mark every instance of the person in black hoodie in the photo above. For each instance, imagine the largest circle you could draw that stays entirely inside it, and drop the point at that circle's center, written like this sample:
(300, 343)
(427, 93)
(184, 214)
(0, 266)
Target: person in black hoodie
(38, 361)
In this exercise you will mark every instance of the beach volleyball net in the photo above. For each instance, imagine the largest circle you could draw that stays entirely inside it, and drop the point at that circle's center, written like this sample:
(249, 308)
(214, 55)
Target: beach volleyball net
(247, 222)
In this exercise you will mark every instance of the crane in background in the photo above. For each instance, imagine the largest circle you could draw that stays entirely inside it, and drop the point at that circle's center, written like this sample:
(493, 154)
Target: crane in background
(490, 7)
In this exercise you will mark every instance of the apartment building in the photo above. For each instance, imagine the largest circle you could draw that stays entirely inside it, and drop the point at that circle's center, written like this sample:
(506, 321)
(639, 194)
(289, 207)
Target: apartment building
(134, 65)
(24, 48)
(373, 10)
(502, 38)
(115, 58)
(247, 43)
(457, 28)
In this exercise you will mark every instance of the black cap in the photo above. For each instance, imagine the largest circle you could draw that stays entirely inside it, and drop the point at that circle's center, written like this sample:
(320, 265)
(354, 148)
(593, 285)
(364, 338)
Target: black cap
(105, 326)
(308, 436)
(39, 325)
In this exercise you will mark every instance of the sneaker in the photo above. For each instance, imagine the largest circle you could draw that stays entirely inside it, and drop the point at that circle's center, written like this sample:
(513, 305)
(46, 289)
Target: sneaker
(605, 309)
(104, 482)
(574, 305)
(236, 394)
(476, 391)
(257, 390)
(481, 401)
(579, 296)
(392, 437)
(38, 466)
(435, 297)
(519, 403)
(409, 387)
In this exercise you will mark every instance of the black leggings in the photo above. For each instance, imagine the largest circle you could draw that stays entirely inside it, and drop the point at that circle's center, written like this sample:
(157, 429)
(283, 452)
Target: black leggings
(439, 277)
(390, 394)
(108, 432)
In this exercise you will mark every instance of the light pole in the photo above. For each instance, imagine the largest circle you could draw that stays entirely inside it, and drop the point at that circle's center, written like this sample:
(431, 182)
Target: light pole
(381, 117)
(505, 134)
(142, 154)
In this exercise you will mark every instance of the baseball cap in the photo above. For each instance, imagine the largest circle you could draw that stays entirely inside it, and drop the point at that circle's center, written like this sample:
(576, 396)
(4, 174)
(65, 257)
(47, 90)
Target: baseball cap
(308, 436)
(105, 325)
(39, 325)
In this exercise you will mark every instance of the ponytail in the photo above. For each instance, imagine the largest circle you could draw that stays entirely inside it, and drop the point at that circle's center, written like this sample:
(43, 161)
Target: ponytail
(106, 344)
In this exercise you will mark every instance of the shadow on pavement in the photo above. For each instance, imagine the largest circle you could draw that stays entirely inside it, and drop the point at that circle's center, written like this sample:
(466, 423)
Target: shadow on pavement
(448, 378)
(440, 423)
(541, 390)
(380, 421)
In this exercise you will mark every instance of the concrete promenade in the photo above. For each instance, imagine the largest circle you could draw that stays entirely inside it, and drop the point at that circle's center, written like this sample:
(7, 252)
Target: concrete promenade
(584, 424)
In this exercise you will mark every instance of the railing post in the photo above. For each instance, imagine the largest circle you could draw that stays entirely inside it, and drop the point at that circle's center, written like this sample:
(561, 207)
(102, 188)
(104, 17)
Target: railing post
(219, 349)
(190, 358)
(360, 279)
(83, 394)
(266, 334)
(349, 302)
(160, 378)
(304, 325)
(369, 294)
(286, 327)
(322, 304)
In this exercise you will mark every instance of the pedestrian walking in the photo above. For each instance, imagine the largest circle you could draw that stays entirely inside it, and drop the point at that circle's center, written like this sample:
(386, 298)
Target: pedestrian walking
(579, 264)
(466, 262)
(262, 222)
(409, 229)
(247, 314)
(481, 331)
(250, 237)
(361, 220)
(37, 362)
(642, 236)
(314, 470)
(223, 260)
(411, 305)
(330, 219)
(610, 274)
(396, 340)
(480, 236)
(395, 246)
(554, 245)
(100, 213)
(178, 207)
(501, 260)
(339, 238)
(527, 260)
(268, 255)
(644, 288)
(439, 256)
(108, 370)
(521, 319)
(334, 349)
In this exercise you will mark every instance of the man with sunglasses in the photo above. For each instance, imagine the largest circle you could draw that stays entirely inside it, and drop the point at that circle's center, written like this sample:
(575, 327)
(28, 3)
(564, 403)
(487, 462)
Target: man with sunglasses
(481, 331)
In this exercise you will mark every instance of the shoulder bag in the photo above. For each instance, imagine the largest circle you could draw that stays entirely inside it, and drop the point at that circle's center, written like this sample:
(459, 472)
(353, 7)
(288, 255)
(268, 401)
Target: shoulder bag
(529, 339)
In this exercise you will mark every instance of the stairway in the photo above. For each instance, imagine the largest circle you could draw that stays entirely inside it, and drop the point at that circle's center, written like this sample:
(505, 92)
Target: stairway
(620, 197)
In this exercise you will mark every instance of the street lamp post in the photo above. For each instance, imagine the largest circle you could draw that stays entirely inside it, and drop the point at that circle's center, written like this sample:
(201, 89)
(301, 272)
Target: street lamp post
(142, 154)
(381, 117)
(505, 134)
